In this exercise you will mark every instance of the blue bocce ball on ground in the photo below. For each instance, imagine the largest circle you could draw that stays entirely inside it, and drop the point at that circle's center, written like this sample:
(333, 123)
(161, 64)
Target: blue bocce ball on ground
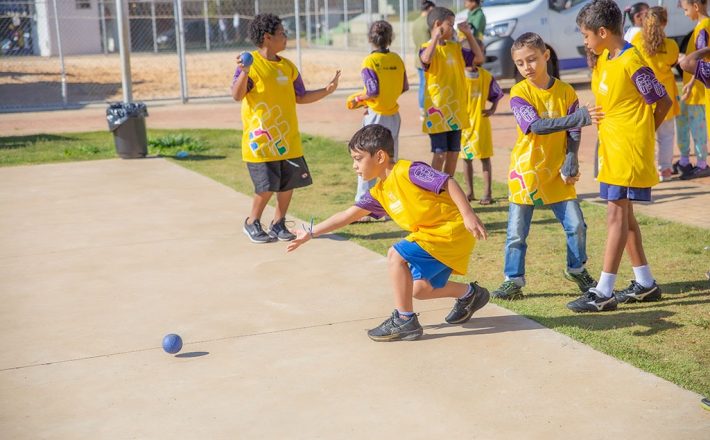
(172, 343)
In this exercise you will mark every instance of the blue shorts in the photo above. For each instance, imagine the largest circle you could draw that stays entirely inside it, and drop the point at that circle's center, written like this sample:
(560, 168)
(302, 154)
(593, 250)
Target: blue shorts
(422, 265)
(446, 141)
(615, 192)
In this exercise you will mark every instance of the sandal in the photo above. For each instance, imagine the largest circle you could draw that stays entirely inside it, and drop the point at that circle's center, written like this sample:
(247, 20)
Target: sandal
(486, 201)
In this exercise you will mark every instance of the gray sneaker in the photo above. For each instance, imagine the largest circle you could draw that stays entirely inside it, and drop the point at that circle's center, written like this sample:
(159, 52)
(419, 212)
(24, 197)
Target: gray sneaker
(583, 280)
(466, 307)
(696, 173)
(508, 290)
(255, 232)
(395, 327)
(279, 231)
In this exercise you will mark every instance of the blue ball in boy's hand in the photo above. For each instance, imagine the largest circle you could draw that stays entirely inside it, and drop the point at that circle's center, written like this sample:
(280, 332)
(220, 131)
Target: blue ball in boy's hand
(172, 343)
(246, 58)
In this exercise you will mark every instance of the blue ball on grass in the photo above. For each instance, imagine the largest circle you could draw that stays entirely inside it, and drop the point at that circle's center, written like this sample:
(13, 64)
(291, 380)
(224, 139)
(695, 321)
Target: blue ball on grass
(172, 343)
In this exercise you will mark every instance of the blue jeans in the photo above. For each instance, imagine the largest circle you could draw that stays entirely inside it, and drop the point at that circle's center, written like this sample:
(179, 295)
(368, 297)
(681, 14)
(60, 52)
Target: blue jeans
(422, 87)
(570, 216)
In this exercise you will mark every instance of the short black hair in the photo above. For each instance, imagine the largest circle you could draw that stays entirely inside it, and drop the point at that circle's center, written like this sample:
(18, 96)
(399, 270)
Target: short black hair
(263, 24)
(601, 14)
(530, 40)
(380, 34)
(426, 5)
(438, 13)
(371, 139)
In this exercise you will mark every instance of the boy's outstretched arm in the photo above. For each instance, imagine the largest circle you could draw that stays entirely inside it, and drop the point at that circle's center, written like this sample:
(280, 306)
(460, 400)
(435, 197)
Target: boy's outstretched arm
(662, 106)
(336, 221)
(316, 95)
(473, 224)
(689, 63)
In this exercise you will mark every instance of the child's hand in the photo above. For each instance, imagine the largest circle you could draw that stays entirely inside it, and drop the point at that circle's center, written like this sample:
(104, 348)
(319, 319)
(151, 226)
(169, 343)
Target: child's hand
(241, 65)
(687, 88)
(595, 112)
(487, 113)
(333, 84)
(301, 238)
(464, 27)
(475, 226)
(437, 34)
(570, 180)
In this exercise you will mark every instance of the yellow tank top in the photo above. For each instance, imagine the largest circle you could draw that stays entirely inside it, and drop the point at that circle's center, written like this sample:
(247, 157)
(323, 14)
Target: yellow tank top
(535, 162)
(445, 101)
(269, 112)
(433, 220)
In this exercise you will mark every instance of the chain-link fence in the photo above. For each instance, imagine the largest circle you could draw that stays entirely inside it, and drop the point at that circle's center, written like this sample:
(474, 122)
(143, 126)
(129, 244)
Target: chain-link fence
(65, 53)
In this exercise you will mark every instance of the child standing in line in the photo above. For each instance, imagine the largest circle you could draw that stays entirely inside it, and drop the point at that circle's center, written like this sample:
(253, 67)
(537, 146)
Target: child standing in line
(477, 139)
(634, 105)
(476, 18)
(443, 231)
(543, 164)
(692, 119)
(636, 14)
(271, 144)
(445, 98)
(420, 35)
(661, 54)
(385, 80)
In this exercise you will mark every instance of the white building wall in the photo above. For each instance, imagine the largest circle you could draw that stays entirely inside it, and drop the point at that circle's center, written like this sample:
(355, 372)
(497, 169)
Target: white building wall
(79, 29)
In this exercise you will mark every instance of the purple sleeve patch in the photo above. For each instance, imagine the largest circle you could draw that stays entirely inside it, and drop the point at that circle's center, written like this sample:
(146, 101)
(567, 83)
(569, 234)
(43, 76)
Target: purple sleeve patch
(525, 114)
(495, 93)
(427, 178)
(573, 108)
(298, 86)
(647, 85)
(467, 56)
(250, 82)
(702, 72)
(368, 203)
(372, 82)
(702, 40)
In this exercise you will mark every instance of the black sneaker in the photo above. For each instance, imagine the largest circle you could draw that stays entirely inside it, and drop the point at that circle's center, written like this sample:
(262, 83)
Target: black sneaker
(279, 231)
(394, 328)
(590, 301)
(677, 168)
(465, 308)
(696, 173)
(256, 233)
(583, 280)
(636, 292)
(508, 290)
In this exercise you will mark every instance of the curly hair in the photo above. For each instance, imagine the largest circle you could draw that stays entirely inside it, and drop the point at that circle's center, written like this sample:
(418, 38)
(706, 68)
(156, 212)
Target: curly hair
(263, 24)
(653, 30)
(600, 14)
(371, 139)
(380, 34)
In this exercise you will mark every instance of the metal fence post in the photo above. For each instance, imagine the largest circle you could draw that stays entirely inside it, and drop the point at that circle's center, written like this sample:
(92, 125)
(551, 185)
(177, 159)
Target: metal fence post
(180, 42)
(102, 24)
(403, 29)
(308, 21)
(124, 37)
(153, 24)
(326, 31)
(206, 13)
(63, 71)
(347, 23)
(297, 12)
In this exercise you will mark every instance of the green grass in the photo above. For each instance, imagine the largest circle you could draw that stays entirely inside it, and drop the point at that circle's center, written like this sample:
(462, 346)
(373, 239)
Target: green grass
(668, 338)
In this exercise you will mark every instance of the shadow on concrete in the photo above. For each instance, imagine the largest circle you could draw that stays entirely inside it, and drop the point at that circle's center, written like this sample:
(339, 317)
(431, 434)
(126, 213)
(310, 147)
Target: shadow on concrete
(483, 326)
(192, 354)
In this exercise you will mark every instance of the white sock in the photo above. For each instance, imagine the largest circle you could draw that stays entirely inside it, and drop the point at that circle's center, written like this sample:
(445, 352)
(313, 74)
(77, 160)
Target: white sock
(468, 293)
(605, 286)
(643, 276)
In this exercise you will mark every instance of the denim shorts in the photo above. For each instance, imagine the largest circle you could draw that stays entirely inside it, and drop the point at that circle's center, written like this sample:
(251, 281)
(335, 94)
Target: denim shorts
(446, 141)
(615, 192)
(422, 265)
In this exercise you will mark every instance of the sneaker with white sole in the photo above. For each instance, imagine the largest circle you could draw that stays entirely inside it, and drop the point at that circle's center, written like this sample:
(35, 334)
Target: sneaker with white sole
(582, 279)
(255, 232)
(397, 328)
(464, 308)
(637, 293)
(592, 301)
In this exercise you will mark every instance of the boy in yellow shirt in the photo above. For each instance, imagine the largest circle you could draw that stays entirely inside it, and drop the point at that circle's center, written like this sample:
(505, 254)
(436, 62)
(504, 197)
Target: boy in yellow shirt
(271, 144)
(543, 164)
(634, 103)
(445, 100)
(443, 231)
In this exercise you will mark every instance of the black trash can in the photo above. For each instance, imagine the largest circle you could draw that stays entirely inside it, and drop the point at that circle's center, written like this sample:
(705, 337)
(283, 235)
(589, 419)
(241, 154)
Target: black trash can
(127, 123)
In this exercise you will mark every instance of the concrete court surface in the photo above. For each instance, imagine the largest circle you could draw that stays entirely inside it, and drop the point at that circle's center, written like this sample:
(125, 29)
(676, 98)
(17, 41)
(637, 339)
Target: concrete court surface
(100, 259)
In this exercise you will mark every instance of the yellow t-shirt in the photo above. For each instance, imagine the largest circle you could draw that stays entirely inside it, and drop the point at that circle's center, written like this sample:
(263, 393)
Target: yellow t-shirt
(627, 132)
(661, 64)
(433, 220)
(269, 112)
(445, 101)
(477, 140)
(535, 162)
(697, 93)
(389, 70)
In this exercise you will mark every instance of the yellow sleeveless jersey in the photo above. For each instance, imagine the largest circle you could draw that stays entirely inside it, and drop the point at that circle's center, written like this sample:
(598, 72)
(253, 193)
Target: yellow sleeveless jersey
(661, 64)
(269, 112)
(477, 140)
(535, 162)
(389, 69)
(445, 101)
(627, 132)
(433, 220)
